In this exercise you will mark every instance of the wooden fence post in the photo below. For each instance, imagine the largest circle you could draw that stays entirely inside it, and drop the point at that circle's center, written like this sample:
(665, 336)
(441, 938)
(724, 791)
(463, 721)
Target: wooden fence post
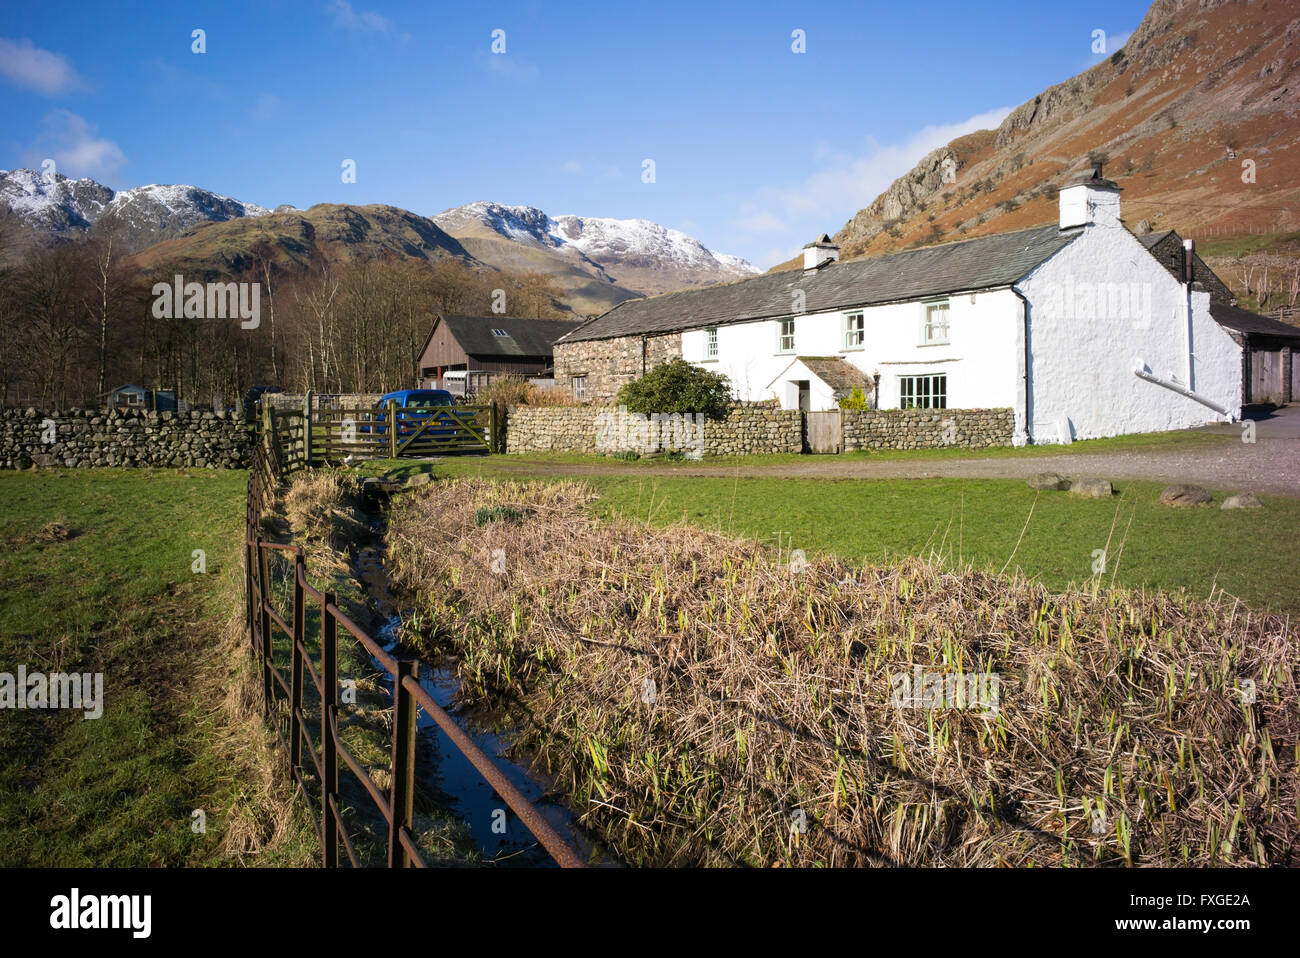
(328, 711)
(306, 430)
(392, 429)
(403, 794)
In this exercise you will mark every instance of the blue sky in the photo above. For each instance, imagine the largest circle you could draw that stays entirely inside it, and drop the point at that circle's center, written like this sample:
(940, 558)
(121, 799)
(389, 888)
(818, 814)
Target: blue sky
(756, 148)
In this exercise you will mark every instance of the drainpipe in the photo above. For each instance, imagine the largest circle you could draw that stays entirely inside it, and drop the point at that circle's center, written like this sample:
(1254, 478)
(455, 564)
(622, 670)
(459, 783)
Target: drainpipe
(1142, 371)
(1188, 252)
(644, 342)
(1024, 362)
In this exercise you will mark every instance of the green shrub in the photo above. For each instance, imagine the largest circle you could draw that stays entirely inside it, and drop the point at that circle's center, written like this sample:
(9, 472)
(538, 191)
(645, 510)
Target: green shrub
(855, 400)
(497, 514)
(678, 387)
(627, 455)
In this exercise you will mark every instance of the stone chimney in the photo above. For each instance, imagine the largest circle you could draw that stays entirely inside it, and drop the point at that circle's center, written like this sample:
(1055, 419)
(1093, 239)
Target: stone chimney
(1089, 199)
(820, 252)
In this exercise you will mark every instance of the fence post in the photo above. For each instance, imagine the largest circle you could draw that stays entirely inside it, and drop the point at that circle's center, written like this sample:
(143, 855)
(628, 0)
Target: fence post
(264, 605)
(328, 710)
(492, 427)
(392, 429)
(403, 762)
(306, 429)
(295, 682)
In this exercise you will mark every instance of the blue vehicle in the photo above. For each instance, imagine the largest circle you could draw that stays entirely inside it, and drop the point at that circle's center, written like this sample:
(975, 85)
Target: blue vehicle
(415, 407)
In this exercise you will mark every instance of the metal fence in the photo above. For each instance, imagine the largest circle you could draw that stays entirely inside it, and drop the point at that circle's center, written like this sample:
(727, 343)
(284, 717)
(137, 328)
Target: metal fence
(312, 741)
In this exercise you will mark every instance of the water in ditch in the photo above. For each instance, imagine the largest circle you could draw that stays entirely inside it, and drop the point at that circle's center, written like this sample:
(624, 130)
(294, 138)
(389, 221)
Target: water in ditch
(445, 770)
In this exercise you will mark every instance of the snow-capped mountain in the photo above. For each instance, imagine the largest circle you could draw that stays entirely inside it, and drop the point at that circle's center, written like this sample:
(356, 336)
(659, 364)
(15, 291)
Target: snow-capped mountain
(635, 254)
(59, 205)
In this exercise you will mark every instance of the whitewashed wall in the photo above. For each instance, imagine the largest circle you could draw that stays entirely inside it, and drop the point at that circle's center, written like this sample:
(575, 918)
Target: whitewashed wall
(1095, 308)
(980, 359)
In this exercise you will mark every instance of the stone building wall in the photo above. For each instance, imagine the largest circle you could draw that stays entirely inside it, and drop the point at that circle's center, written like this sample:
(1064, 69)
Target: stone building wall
(122, 437)
(609, 364)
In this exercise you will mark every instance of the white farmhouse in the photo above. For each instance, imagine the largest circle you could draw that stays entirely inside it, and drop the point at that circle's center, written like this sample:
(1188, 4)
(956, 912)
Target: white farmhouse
(1076, 326)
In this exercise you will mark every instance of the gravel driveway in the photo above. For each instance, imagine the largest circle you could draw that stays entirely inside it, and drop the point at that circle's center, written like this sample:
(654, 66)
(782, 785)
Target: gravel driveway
(1271, 464)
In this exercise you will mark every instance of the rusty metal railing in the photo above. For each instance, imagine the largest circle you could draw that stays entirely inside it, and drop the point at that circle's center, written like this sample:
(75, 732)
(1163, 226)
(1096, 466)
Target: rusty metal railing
(409, 696)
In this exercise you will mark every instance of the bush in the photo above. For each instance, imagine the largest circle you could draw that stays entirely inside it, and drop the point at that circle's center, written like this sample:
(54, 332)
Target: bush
(518, 392)
(856, 400)
(678, 387)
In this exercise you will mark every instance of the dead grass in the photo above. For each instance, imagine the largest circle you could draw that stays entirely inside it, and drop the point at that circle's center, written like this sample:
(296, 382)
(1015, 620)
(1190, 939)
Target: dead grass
(705, 704)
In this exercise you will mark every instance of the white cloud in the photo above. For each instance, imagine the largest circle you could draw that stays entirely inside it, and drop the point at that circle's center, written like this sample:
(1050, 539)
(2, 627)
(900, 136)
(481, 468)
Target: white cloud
(846, 183)
(71, 142)
(573, 166)
(29, 66)
(362, 21)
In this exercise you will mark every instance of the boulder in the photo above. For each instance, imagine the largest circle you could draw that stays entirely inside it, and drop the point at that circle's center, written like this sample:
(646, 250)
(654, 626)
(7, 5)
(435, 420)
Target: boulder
(1093, 488)
(1244, 500)
(1048, 480)
(1182, 494)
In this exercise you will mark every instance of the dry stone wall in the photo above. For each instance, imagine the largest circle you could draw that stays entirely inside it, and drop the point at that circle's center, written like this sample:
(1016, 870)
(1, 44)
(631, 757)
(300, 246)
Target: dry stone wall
(749, 430)
(926, 428)
(122, 437)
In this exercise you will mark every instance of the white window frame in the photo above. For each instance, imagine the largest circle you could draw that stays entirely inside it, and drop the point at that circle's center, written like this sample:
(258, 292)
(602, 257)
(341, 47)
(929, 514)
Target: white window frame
(855, 338)
(782, 336)
(579, 386)
(934, 395)
(927, 328)
(710, 342)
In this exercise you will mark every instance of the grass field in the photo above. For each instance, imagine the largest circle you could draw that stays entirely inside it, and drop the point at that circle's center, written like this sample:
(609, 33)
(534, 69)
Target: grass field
(990, 523)
(114, 591)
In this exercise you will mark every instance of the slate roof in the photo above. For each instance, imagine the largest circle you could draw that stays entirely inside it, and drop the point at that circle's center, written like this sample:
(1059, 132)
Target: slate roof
(524, 337)
(1152, 239)
(1244, 321)
(986, 262)
(834, 371)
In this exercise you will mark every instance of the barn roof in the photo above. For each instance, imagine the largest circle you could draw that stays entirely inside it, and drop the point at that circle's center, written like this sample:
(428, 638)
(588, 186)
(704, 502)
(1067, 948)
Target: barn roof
(1243, 321)
(480, 335)
(986, 262)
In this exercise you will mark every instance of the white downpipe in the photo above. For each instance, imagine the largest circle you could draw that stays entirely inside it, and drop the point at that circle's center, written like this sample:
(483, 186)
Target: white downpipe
(1187, 311)
(1141, 371)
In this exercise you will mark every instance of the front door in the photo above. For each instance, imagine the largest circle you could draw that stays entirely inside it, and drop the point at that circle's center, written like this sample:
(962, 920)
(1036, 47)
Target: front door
(805, 395)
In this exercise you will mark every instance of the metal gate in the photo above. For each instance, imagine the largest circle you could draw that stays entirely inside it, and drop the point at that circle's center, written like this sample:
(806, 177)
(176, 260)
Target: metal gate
(822, 432)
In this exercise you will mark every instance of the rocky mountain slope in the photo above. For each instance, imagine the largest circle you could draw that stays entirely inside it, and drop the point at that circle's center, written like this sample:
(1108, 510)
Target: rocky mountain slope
(294, 239)
(605, 260)
(596, 262)
(58, 206)
(1197, 117)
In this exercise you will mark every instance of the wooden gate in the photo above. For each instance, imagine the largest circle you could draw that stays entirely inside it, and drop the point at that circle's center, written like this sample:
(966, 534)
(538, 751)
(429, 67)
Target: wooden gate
(1265, 375)
(366, 433)
(822, 431)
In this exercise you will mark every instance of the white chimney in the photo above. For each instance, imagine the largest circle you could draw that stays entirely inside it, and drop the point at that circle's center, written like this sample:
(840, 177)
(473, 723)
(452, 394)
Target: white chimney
(820, 252)
(1090, 200)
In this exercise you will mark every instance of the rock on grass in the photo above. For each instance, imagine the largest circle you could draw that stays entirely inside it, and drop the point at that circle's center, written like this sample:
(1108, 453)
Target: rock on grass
(1244, 500)
(1181, 494)
(1092, 488)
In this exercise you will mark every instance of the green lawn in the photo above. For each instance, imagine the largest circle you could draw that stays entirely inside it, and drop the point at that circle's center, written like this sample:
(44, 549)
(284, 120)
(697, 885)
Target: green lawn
(119, 596)
(1253, 555)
